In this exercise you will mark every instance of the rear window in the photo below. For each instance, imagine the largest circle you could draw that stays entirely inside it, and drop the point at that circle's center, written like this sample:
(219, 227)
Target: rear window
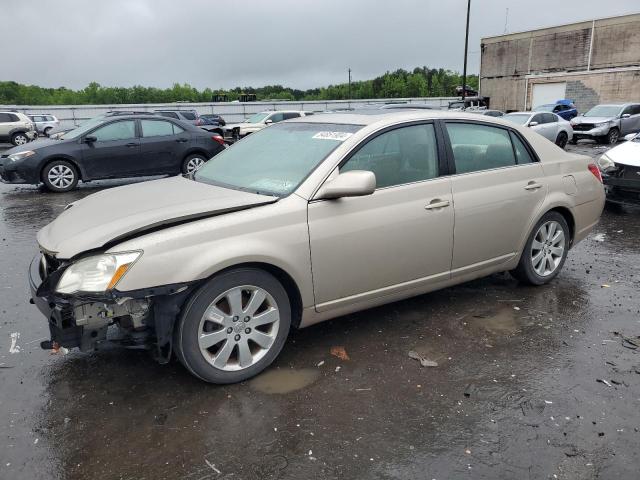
(168, 114)
(189, 115)
(4, 117)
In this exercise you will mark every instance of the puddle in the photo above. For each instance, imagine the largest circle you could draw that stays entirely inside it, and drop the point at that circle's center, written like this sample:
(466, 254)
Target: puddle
(501, 321)
(284, 381)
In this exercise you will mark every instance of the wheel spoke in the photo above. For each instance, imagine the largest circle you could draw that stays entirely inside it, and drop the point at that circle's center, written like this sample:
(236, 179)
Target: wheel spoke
(208, 340)
(551, 230)
(261, 338)
(222, 357)
(537, 258)
(234, 297)
(257, 299)
(557, 238)
(214, 314)
(557, 251)
(245, 358)
(536, 245)
(265, 318)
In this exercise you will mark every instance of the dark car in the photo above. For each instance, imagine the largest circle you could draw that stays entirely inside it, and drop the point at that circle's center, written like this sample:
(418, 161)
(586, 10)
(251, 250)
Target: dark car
(563, 108)
(212, 123)
(111, 147)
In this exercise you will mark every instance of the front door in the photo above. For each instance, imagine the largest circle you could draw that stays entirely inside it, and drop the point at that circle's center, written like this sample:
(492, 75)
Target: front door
(498, 190)
(395, 239)
(630, 124)
(115, 151)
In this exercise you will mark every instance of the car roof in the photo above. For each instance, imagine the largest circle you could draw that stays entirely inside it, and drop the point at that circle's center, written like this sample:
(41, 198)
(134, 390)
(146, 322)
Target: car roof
(369, 117)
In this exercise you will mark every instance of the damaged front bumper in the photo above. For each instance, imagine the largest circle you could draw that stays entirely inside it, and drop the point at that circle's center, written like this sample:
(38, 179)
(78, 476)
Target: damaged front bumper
(622, 187)
(144, 318)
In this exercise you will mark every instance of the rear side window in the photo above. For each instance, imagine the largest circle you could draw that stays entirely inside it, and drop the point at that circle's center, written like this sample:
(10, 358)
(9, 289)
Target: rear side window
(156, 128)
(634, 110)
(4, 117)
(403, 155)
(522, 154)
(168, 114)
(13, 117)
(289, 115)
(189, 115)
(116, 131)
(549, 118)
(480, 147)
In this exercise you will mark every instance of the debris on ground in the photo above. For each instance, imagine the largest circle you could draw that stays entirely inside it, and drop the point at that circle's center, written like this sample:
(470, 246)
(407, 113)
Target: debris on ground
(212, 466)
(602, 380)
(628, 342)
(425, 362)
(320, 363)
(339, 352)
(14, 343)
(604, 285)
(56, 348)
(469, 389)
(599, 237)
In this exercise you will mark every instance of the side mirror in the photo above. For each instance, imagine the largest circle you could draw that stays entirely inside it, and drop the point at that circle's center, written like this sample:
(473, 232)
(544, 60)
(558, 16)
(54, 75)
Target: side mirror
(268, 122)
(631, 136)
(90, 139)
(533, 124)
(625, 115)
(356, 183)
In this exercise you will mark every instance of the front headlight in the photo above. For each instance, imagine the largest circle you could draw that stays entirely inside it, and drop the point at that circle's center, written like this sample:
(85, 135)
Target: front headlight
(97, 274)
(601, 124)
(606, 164)
(14, 157)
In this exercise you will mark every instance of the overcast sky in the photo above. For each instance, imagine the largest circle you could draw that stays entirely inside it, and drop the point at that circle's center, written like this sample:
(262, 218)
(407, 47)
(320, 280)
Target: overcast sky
(296, 43)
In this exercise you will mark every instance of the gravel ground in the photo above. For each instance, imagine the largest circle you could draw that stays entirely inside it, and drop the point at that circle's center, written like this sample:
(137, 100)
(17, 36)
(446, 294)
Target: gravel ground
(531, 382)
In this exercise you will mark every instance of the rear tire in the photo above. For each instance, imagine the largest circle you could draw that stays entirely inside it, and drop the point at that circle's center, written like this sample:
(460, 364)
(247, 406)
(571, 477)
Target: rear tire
(47, 131)
(19, 139)
(545, 252)
(562, 139)
(193, 162)
(60, 176)
(246, 316)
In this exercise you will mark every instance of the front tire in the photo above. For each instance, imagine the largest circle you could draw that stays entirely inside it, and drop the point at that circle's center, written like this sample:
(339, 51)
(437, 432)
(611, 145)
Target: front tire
(192, 163)
(562, 139)
(19, 139)
(545, 252)
(60, 176)
(613, 136)
(234, 326)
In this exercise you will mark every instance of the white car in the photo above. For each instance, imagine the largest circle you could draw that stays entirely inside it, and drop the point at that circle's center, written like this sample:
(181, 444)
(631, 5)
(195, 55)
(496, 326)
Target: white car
(17, 128)
(547, 124)
(620, 168)
(236, 131)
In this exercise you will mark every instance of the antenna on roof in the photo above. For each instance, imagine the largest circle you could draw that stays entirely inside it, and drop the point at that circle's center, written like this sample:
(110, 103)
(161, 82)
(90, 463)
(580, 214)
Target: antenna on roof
(506, 20)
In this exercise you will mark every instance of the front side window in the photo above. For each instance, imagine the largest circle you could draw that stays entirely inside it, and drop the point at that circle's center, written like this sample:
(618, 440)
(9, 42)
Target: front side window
(156, 128)
(289, 115)
(399, 156)
(116, 131)
(480, 147)
(549, 118)
(274, 161)
(539, 119)
(257, 118)
(4, 117)
(277, 117)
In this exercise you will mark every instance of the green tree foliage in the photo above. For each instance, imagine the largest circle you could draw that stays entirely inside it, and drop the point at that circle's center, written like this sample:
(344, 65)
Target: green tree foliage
(421, 82)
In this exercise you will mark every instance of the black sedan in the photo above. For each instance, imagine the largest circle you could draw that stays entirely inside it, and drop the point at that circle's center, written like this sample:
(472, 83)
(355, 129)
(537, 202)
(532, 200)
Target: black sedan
(112, 147)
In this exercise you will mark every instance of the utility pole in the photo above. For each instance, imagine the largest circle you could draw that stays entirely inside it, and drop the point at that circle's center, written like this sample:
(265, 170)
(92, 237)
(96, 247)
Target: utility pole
(466, 48)
(349, 84)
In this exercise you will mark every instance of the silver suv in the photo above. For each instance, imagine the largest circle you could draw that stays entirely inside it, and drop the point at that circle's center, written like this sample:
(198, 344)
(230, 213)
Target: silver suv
(189, 116)
(607, 123)
(44, 123)
(16, 128)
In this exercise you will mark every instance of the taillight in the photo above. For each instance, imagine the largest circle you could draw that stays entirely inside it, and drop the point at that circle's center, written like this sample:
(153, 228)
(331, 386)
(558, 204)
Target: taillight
(593, 168)
(219, 139)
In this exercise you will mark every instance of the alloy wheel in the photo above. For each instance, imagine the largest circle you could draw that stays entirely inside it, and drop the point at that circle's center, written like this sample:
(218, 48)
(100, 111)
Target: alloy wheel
(547, 248)
(194, 164)
(20, 139)
(238, 328)
(61, 176)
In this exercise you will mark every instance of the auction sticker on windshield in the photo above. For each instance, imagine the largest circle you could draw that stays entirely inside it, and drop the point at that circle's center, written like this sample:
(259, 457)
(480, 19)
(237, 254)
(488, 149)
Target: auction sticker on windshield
(339, 136)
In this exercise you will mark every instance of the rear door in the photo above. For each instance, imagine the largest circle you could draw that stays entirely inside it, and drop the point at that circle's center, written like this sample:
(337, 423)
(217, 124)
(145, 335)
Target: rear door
(5, 124)
(162, 144)
(498, 190)
(632, 123)
(393, 240)
(115, 153)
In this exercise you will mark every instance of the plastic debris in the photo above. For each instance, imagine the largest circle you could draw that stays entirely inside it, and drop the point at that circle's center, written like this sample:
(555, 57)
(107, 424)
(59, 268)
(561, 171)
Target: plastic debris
(58, 349)
(14, 343)
(339, 352)
(604, 285)
(602, 380)
(599, 237)
(320, 363)
(425, 362)
(212, 466)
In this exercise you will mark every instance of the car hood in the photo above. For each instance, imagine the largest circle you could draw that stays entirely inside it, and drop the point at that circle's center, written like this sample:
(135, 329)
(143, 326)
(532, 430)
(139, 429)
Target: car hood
(110, 216)
(230, 126)
(627, 153)
(35, 145)
(592, 119)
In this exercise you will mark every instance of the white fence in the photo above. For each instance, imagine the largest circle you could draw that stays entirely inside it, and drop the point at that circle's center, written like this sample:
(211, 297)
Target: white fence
(70, 115)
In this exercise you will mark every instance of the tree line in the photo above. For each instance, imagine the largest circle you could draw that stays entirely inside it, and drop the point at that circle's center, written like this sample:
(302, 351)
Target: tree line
(421, 82)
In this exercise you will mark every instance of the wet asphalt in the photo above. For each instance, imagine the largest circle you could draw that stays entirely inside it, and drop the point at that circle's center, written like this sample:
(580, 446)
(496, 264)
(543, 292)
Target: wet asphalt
(531, 382)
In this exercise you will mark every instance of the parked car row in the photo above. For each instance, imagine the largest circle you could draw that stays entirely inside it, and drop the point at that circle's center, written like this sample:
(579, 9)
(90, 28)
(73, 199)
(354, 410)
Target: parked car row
(111, 146)
(620, 168)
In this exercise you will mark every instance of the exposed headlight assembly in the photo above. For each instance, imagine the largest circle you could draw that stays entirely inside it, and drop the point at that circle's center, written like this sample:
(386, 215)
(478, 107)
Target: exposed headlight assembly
(14, 157)
(606, 164)
(98, 273)
(601, 124)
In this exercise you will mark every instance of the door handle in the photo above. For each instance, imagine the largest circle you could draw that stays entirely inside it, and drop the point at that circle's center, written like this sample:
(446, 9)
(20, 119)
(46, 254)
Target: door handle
(533, 186)
(131, 144)
(437, 203)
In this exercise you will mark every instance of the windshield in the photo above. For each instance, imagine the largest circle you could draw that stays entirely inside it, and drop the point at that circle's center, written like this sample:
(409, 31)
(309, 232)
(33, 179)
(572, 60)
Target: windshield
(83, 128)
(604, 111)
(519, 118)
(544, 108)
(257, 118)
(275, 160)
